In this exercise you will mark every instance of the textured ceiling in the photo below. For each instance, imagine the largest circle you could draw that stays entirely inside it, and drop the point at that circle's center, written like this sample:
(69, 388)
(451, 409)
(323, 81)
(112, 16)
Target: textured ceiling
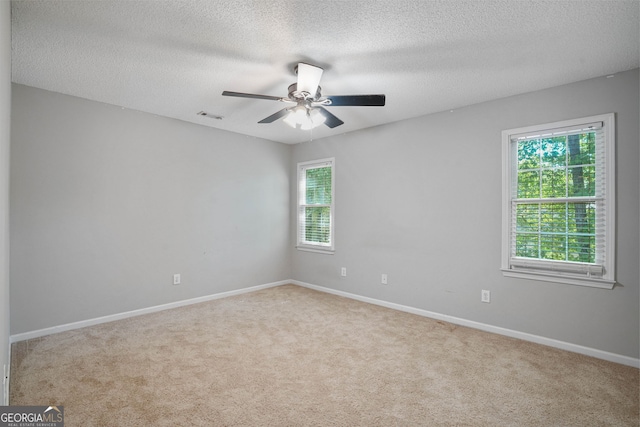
(174, 58)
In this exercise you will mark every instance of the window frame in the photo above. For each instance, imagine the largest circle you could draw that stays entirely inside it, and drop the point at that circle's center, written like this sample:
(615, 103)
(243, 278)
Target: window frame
(302, 244)
(548, 270)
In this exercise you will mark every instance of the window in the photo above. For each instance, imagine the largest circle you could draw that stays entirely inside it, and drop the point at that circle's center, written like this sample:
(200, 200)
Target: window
(315, 205)
(558, 195)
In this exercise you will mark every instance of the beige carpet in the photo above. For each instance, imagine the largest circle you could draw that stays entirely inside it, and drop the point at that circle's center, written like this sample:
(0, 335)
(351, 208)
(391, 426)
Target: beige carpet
(290, 356)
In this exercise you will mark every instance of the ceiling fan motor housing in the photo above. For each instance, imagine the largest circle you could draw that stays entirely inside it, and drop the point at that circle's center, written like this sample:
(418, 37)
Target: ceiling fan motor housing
(296, 95)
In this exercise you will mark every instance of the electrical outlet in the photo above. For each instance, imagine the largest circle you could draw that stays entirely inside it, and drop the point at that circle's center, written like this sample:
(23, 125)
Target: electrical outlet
(486, 296)
(384, 279)
(176, 279)
(343, 272)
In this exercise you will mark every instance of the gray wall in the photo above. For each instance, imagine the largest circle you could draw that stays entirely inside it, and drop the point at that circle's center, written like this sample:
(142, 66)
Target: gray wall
(5, 122)
(420, 200)
(108, 203)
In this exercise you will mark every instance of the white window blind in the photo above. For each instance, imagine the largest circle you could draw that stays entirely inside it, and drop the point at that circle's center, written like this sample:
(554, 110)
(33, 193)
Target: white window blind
(558, 201)
(316, 205)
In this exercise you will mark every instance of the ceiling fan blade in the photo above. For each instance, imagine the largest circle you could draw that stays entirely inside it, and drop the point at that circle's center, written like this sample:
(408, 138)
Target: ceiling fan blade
(251, 95)
(331, 120)
(308, 78)
(272, 118)
(357, 100)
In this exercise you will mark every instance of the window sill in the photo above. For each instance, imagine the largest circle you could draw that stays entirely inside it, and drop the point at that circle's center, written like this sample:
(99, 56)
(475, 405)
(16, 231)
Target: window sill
(318, 250)
(559, 278)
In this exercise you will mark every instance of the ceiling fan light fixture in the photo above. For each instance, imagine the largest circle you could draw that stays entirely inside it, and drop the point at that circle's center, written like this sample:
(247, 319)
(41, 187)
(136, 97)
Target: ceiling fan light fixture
(296, 117)
(301, 117)
(317, 118)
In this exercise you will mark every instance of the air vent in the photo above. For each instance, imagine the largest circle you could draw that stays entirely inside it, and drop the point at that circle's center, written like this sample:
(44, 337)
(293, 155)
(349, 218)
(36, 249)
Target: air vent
(211, 116)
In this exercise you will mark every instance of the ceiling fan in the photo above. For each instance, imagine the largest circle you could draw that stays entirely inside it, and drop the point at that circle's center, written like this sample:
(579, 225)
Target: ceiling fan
(308, 111)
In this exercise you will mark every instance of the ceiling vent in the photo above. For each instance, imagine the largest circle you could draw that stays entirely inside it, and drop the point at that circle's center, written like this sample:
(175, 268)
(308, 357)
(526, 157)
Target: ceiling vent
(211, 116)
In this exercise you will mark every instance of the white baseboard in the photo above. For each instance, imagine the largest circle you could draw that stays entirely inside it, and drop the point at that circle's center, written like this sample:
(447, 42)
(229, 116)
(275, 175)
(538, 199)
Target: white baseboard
(600, 354)
(110, 318)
